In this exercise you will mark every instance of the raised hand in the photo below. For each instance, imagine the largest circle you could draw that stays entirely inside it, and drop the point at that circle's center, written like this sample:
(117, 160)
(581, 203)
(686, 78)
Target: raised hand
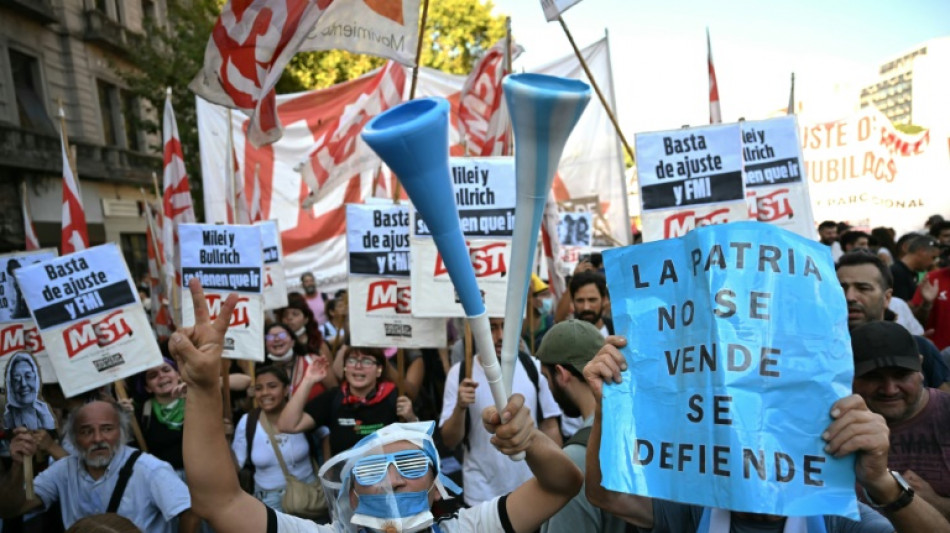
(318, 370)
(929, 291)
(514, 429)
(466, 394)
(606, 366)
(404, 409)
(198, 348)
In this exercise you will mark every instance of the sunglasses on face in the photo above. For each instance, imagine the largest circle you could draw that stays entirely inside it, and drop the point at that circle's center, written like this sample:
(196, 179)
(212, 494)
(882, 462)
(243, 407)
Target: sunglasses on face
(411, 464)
(282, 336)
(365, 361)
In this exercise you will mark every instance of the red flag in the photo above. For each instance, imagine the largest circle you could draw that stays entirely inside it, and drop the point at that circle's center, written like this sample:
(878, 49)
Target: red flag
(482, 116)
(251, 43)
(715, 116)
(176, 193)
(75, 236)
(32, 243)
(552, 247)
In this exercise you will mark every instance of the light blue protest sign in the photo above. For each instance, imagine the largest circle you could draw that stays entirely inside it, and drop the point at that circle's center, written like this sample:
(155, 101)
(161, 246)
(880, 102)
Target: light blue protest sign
(737, 346)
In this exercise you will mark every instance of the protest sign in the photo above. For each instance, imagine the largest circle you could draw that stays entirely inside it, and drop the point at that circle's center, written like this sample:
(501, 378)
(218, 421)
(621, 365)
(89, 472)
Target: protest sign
(485, 196)
(862, 170)
(90, 318)
(574, 237)
(380, 296)
(775, 174)
(689, 178)
(226, 259)
(275, 281)
(737, 346)
(18, 333)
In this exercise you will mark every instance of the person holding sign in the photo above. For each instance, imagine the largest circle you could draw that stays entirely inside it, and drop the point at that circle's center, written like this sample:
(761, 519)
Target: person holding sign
(398, 464)
(853, 430)
(105, 475)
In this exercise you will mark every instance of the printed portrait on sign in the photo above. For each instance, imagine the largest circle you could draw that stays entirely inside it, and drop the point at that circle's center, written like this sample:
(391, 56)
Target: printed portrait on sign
(24, 407)
(18, 308)
(574, 229)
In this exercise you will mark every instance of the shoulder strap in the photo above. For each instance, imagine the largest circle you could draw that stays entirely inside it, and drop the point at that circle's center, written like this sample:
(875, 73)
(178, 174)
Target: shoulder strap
(122, 482)
(250, 429)
(273, 443)
(528, 363)
(580, 437)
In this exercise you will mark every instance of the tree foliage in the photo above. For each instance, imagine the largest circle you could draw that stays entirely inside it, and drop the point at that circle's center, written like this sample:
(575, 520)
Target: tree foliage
(456, 35)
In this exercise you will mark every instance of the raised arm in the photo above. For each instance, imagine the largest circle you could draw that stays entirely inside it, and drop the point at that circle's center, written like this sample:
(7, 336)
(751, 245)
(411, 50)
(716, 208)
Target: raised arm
(605, 367)
(856, 429)
(292, 418)
(556, 478)
(212, 480)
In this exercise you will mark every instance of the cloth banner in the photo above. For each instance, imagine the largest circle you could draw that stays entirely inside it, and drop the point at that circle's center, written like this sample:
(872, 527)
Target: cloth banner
(226, 259)
(554, 8)
(688, 178)
(737, 346)
(380, 296)
(864, 171)
(88, 312)
(383, 28)
(774, 175)
(18, 332)
(590, 175)
(485, 196)
(275, 283)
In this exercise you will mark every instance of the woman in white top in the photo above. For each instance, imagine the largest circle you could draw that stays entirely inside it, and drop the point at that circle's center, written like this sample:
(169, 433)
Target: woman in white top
(271, 389)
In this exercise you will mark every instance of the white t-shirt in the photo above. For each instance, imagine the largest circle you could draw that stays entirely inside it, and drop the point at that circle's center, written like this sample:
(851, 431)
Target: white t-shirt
(486, 472)
(267, 473)
(484, 518)
(905, 316)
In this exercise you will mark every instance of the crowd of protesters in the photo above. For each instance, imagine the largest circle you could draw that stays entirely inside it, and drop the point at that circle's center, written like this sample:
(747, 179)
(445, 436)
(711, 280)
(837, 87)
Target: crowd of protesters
(194, 464)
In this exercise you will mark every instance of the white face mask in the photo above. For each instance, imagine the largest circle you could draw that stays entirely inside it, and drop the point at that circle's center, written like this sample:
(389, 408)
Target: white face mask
(301, 331)
(281, 358)
(546, 305)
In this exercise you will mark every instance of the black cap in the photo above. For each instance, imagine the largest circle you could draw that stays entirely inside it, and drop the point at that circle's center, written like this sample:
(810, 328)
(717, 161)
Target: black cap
(883, 344)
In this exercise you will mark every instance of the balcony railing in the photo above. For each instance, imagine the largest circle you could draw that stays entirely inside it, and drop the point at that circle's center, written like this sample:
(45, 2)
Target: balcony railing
(40, 152)
(108, 33)
(39, 10)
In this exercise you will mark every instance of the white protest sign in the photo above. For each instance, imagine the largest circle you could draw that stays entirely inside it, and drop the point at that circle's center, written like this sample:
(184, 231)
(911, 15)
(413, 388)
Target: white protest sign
(226, 259)
(485, 196)
(774, 175)
(275, 281)
(90, 318)
(18, 333)
(380, 295)
(688, 178)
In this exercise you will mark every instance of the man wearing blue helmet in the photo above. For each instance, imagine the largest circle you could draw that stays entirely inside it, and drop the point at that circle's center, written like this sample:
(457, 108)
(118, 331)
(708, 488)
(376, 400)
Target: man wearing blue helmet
(387, 482)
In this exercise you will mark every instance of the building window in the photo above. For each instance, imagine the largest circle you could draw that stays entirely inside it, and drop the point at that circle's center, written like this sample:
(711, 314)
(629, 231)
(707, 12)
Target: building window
(27, 86)
(149, 11)
(119, 113)
(111, 8)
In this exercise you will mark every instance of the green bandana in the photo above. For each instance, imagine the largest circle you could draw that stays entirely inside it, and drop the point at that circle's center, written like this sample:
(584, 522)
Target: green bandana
(172, 415)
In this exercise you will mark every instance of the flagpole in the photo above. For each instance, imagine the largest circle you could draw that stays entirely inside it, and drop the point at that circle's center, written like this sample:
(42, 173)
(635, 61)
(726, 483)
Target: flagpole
(593, 83)
(623, 166)
(69, 152)
(158, 191)
(232, 193)
(415, 74)
(510, 145)
(791, 97)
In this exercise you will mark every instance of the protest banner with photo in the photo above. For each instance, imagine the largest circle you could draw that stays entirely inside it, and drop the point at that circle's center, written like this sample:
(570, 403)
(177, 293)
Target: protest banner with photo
(864, 171)
(275, 280)
(380, 296)
(737, 346)
(226, 259)
(90, 318)
(689, 178)
(485, 196)
(574, 237)
(774, 174)
(18, 333)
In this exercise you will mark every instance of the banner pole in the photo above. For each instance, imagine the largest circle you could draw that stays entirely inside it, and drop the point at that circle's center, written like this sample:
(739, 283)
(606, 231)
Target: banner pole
(468, 350)
(123, 394)
(593, 83)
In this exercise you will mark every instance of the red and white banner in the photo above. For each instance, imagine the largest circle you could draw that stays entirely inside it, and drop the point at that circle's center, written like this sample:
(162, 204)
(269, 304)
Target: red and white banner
(253, 40)
(483, 117)
(715, 115)
(862, 170)
(176, 196)
(159, 312)
(75, 236)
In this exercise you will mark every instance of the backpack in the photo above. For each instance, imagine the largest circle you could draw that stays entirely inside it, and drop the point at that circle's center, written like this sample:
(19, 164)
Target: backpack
(528, 363)
(246, 474)
(580, 437)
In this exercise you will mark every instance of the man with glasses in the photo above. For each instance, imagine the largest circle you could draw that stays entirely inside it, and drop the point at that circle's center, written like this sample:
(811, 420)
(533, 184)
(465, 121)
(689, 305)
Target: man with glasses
(382, 484)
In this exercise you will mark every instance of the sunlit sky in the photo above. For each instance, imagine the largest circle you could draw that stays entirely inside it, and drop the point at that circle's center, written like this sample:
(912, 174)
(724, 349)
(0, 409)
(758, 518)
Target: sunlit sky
(658, 49)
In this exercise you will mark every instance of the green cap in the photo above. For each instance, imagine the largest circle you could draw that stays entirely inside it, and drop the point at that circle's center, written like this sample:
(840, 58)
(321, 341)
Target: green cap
(572, 342)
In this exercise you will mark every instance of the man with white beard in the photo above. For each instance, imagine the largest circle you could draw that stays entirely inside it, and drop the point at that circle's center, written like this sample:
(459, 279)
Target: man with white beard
(104, 476)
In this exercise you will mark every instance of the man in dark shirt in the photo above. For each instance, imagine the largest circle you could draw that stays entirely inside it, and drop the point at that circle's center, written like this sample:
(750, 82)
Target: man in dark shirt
(920, 256)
